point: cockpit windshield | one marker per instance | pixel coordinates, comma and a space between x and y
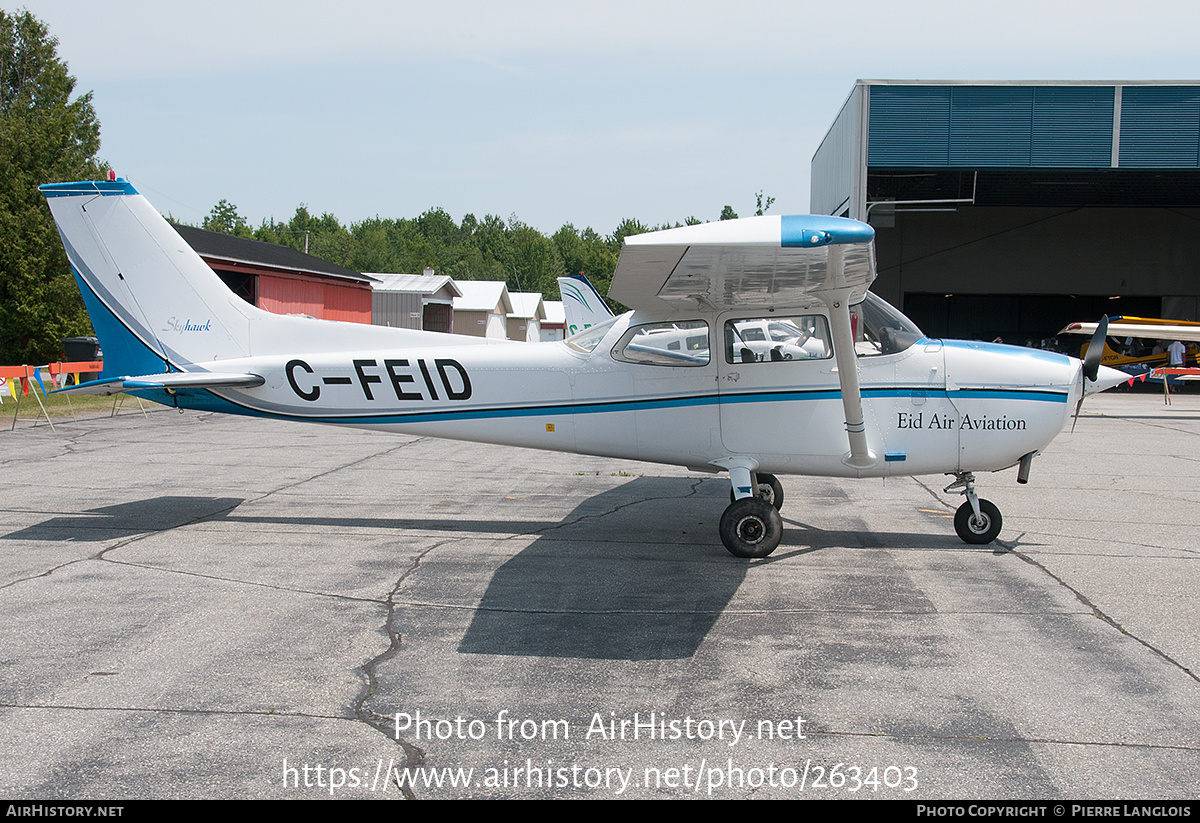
879, 328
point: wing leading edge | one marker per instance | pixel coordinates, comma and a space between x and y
767, 262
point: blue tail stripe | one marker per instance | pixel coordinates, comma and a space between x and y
124, 353
105, 188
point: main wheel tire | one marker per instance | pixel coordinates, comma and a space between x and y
769, 489
751, 527
978, 531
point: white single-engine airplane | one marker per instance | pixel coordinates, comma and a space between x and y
669, 382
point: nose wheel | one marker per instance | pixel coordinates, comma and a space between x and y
976, 521
981, 528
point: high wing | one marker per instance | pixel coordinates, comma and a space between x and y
764, 262
757, 262
1150, 328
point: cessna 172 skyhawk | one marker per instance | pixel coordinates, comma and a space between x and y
876, 398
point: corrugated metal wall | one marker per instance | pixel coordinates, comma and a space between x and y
1072, 126
396, 309
990, 126
328, 301
838, 165
1033, 126
1160, 127
909, 126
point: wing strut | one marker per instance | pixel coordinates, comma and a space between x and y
837, 299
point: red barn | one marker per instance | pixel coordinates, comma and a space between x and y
281, 279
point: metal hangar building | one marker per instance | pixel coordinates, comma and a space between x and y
1007, 209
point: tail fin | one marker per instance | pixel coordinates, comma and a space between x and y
582, 304
155, 305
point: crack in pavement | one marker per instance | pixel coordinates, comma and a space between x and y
1097, 612
414, 755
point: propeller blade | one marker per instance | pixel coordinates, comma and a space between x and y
1091, 364
1095, 350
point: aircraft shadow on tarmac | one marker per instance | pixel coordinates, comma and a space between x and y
124, 519
646, 581
632, 573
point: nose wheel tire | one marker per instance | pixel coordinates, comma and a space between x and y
983, 529
769, 489
751, 527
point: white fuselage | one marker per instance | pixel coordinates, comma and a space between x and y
938, 406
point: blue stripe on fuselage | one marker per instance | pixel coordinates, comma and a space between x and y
209, 401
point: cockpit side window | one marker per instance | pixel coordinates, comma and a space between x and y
777, 339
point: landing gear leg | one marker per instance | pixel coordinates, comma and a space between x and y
766, 486
976, 521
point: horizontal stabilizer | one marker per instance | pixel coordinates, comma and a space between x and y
173, 380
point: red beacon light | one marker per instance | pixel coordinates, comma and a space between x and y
112, 175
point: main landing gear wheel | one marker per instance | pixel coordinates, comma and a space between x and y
769, 489
751, 527
977, 530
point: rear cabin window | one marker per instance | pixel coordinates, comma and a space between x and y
665, 344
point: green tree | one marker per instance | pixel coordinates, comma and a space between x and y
45, 137
728, 213
224, 218
625, 228
761, 208
584, 252
534, 264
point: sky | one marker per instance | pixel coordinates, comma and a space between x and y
552, 112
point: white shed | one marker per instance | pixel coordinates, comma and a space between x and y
555, 324
524, 321
482, 308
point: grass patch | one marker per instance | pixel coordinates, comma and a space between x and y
60, 406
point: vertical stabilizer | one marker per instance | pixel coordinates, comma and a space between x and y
155, 305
